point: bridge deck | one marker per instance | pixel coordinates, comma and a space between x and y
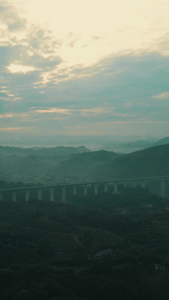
121, 180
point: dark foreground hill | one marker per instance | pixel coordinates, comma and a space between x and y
111, 247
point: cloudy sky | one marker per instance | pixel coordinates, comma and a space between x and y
84, 67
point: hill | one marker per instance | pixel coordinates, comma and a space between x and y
83, 164
153, 161
33, 164
53, 165
41, 151
162, 141
128, 147
103, 165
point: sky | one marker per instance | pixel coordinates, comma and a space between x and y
84, 68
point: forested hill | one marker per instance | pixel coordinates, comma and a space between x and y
163, 141
153, 161
82, 164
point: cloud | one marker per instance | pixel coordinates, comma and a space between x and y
42, 40
9, 16
3, 94
11, 129
6, 56
24, 47
161, 45
20, 68
96, 111
5, 116
163, 96
100, 93
6, 95
54, 110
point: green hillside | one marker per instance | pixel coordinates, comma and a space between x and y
81, 165
104, 165
153, 161
163, 141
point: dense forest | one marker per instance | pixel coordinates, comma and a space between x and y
107, 246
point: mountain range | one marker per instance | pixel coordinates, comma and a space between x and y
72, 164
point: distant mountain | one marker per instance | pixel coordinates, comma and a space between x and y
153, 161
82, 164
128, 147
68, 164
163, 141
139, 144
33, 164
103, 165
42, 151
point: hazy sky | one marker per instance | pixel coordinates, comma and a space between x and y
84, 67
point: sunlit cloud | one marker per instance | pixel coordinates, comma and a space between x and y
10, 17
20, 69
7, 96
54, 110
11, 129
100, 65
7, 93
96, 111
5, 116
163, 96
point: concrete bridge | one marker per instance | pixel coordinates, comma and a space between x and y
132, 182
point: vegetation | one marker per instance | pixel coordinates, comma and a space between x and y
57, 250
149, 162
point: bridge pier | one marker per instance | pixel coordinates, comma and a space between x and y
51, 194
63, 193
14, 196
96, 189
106, 187
74, 190
143, 184
134, 185
125, 185
39, 194
162, 191
115, 188
84, 186
85, 190
27, 195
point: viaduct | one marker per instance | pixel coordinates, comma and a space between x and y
133, 182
